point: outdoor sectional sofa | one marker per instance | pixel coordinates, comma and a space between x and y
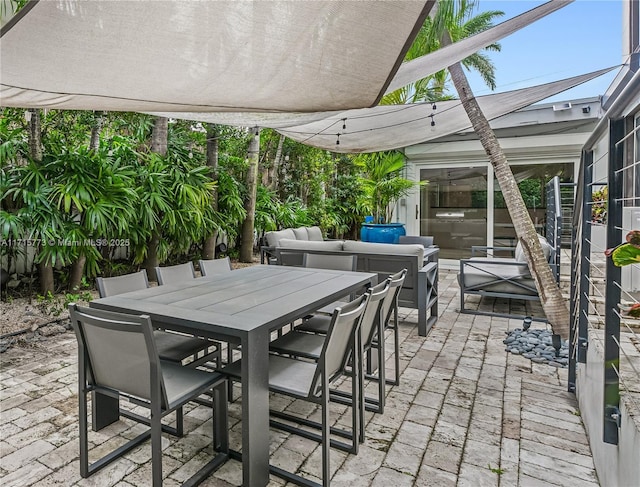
420, 287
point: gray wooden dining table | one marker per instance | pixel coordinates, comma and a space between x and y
243, 306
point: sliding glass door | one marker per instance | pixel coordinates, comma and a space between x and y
453, 209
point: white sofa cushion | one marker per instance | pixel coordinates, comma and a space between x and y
315, 234
301, 233
273, 238
328, 245
383, 248
546, 248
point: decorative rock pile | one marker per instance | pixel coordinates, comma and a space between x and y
537, 345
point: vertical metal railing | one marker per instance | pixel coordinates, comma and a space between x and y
554, 221
612, 291
580, 268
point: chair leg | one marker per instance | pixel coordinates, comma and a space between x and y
357, 426
221, 418
156, 447
326, 439
87, 469
382, 381
357, 404
179, 422
396, 345
229, 383
84, 439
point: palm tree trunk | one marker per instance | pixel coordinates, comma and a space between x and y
151, 261
272, 178
554, 305
246, 249
45, 268
76, 272
96, 129
209, 245
77, 267
159, 138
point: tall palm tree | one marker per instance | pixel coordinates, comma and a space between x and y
248, 226
212, 146
461, 24
554, 305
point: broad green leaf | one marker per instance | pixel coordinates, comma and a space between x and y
626, 254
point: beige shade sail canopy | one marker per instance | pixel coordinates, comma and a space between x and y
409, 72
387, 127
203, 56
311, 69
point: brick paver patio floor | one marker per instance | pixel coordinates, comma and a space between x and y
466, 413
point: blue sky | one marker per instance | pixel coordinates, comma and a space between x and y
581, 37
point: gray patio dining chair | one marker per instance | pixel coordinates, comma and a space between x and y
175, 273
309, 346
211, 267
310, 381
171, 346
339, 262
390, 316
319, 323
346, 262
118, 357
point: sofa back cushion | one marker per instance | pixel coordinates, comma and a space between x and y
273, 238
328, 245
383, 248
314, 233
301, 233
546, 248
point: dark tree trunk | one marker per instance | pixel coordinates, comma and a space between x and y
246, 249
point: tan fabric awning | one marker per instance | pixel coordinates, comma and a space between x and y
202, 56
